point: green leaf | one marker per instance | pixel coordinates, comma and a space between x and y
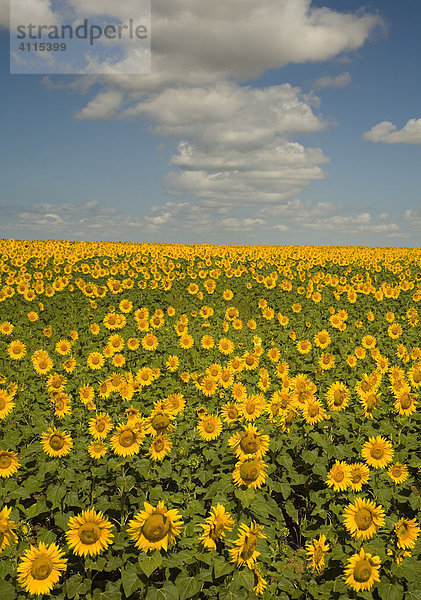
292, 511
7, 591
129, 579
243, 578
76, 585
245, 496
54, 494
149, 564
187, 586
389, 591
221, 567
167, 592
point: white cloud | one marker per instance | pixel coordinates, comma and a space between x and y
23, 12
192, 223
103, 106
413, 218
235, 148
340, 81
234, 140
247, 224
388, 133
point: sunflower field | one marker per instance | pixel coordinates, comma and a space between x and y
209, 422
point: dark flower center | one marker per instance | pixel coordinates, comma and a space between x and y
89, 533
362, 571
249, 471
41, 567
363, 519
127, 438
160, 422
377, 452
249, 546
250, 443
57, 442
156, 527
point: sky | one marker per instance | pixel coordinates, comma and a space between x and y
271, 122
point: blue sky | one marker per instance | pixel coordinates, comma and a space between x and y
298, 123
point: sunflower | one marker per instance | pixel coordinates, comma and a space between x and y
6, 328
100, 426
7, 535
250, 472
149, 342
259, 583
175, 403
6, 404
226, 377
405, 403
186, 341
326, 361
304, 346
238, 391
172, 363
63, 347
89, 533
56, 443
8, 463
97, 449
216, 526
313, 412
230, 412
369, 401
159, 422
40, 568
250, 442
363, 518
86, 393
414, 375
245, 551
362, 571
42, 362
155, 527
209, 427
61, 405
160, 447
360, 474
127, 438
250, 361
252, 406
69, 365
56, 383
377, 452
226, 346
322, 339
95, 361
339, 476
208, 385
144, 376
407, 532
16, 350
398, 472
316, 550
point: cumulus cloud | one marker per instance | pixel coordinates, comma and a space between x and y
40, 12
187, 222
235, 144
340, 81
103, 106
413, 218
235, 147
388, 133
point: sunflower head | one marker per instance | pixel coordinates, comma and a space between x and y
155, 527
